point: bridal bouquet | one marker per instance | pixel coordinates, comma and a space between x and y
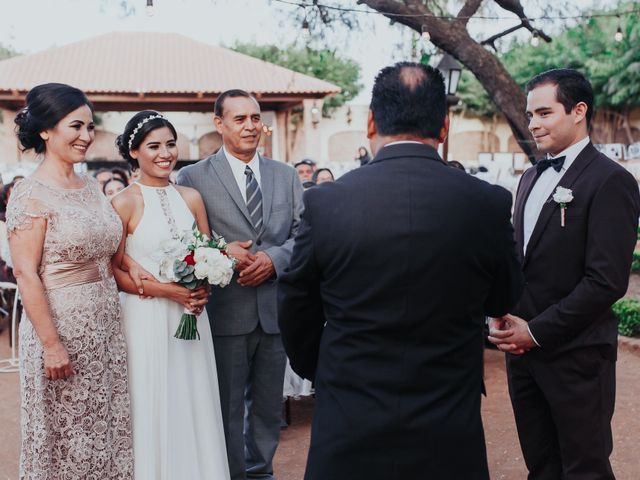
193, 260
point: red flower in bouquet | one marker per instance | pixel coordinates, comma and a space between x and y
189, 260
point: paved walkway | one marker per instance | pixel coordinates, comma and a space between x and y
505, 458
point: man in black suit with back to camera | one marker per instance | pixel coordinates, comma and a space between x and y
402, 259
575, 217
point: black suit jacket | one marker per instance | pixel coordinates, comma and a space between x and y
401, 258
573, 274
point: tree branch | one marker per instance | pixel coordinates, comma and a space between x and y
491, 40
467, 11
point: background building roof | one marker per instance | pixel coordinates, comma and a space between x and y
119, 68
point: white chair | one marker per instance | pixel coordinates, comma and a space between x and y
10, 365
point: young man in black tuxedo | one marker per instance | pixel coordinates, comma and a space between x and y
401, 258
561, 339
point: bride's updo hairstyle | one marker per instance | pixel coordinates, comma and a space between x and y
136, 131
47, 104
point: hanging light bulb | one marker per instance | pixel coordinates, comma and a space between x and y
535, 39
149, 9
306, 31
619, 36
426, 36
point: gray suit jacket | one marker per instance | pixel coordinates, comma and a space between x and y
236, 310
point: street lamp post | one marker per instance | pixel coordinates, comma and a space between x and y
451, 71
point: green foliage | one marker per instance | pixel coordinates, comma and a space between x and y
628, 312
473, 96
323, 64
612, 67
635, 263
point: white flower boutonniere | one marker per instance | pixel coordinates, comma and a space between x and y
562, 196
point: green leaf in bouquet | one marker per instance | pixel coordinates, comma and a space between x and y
191, 285
189, 270
188, 278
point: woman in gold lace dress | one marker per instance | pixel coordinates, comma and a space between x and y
62, 234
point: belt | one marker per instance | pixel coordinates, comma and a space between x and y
69, 274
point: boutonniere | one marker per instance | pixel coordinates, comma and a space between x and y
562, 196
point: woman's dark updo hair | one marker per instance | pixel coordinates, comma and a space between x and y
122, 142
47, 104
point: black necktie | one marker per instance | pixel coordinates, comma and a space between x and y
556, 163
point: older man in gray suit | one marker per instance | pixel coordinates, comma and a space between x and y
255, 203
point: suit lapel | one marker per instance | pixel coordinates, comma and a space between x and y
266, 180
223, 170
575, 170
526, 185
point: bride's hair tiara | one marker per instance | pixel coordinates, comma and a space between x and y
139, 126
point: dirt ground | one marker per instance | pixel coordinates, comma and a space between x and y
505, 458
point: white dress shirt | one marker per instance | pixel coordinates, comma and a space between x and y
545, 186
238, 167
541, 191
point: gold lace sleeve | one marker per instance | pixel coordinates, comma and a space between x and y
25, 204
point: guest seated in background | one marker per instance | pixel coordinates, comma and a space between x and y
121, 174
135, 175
305, 169
113, 186
103, 176
322, 175
6, 267
363, 156
6, 275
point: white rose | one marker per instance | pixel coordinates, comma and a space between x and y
201, 254
563, 195
201, 270
166, 269
221, 270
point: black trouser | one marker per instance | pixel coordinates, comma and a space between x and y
563, 409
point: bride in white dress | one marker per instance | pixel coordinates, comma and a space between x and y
175, 402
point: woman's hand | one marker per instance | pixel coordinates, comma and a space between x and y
193, 300
137, 274
57, 365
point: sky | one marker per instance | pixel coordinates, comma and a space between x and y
30, 26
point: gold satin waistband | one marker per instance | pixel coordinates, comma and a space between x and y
69, 274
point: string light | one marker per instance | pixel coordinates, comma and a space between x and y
426, 36
634, 10
535, 39
149, 9
618, 37
306, 31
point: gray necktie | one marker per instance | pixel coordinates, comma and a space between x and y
254, 199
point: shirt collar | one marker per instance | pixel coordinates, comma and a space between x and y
234, 161
401, 141
571, 152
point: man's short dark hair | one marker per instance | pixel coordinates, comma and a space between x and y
572, 88
409, 98
233, 93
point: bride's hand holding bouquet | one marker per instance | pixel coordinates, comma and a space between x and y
195, 262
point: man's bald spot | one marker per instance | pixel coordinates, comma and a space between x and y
412, 77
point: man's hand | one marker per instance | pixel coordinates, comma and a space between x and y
259, 271
244, 257
510, 334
